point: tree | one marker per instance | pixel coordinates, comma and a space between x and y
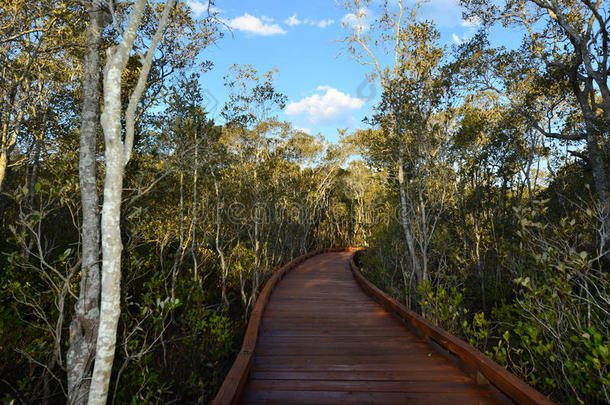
117, 155
411, 129
571, 39
250, 113
84, 326
32, 35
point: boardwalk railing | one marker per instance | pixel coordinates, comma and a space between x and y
238, 376
481, 367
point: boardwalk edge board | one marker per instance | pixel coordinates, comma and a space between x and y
237, 378
485, 368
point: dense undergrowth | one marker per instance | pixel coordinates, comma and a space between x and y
539, 307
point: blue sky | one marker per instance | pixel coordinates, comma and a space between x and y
325, 90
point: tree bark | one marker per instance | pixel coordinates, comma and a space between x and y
598, 167
117, 155
3, 167
223, 262
195, 210
596, 159
110, 307
404, 220
180, 249
84, 325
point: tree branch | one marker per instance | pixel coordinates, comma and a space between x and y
142, 79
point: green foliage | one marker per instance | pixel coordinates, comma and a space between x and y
560, 331
442, 307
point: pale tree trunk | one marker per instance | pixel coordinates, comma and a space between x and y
404, 220
3, 167
117, 155
257, 254
7, 143
477, 254
84, 326
223, 262
424, 237
11, 122
257, 243
180, 250
195, 212
594, 136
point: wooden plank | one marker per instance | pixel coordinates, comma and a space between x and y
433, 387
337, 321
331, 331
361, 363
428, 376
274, 341
516, 389
357, 398
310, 332
343, 350
409, 363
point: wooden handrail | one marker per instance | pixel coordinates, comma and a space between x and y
237, 378
509, 384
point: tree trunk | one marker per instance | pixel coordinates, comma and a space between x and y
117, 155
84, 326
223, 262
600, 179
257, 257
596, 159
404, 220
3, 168
180, 249
111, 233
112, 246
195, 212
8, 138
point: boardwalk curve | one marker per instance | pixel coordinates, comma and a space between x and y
320, 338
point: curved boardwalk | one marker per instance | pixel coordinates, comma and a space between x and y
324, 341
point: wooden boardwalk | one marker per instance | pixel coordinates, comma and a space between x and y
324, 341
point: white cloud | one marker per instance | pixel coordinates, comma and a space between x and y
304, 129
254, 25
456, 39
357, 22
267, 19
325, 23
293, 20
325, 108
200, 8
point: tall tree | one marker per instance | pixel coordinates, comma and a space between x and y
31, 38
251, 113
413, 89
117, 155
571, 38
84, 326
